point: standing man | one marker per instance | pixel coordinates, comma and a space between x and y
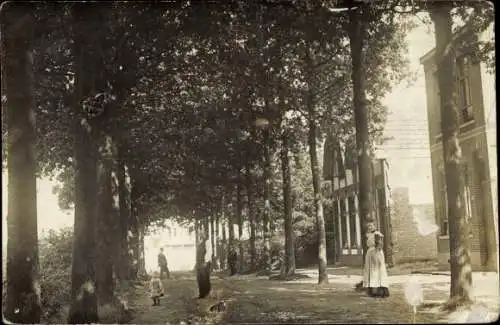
162, 264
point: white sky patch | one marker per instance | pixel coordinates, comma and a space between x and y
50, 216
408, 153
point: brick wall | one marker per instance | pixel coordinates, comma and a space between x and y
408, 244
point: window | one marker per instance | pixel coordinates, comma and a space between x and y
443, 215
352, 221
343, 218
437, 112
444, 198
468, 195
463, 88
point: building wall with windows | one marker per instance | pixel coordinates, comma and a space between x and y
479, 167
402, 223
342, 221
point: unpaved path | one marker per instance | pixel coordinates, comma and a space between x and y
252, 299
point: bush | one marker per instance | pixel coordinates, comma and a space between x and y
55, 272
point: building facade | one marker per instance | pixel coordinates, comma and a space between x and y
342, 223
413, 229
476, 101
409, 229
178, 243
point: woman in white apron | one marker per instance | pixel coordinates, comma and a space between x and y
375, 272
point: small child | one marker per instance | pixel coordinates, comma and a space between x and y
156, 288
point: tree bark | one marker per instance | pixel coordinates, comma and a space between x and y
267, 202
213, 240
23, 288
83, 308
239, 208
318, 199
230, 245
316, 175
217, 242
287, 202
224, 246
107, 226
461, 270
122, 266
251, 217
133, 231
357, 36
142, 256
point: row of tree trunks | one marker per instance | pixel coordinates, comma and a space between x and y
23, 289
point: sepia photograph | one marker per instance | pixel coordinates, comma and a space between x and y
249, 162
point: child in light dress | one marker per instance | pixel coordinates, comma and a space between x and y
156, 288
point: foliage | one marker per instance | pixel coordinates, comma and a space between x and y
55, 271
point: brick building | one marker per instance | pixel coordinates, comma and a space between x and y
413, 233
476, 100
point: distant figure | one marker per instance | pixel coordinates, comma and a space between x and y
203, 279
375, 272
162, 264
156, 288
233, 261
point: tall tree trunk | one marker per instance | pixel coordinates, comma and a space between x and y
461, 271
316, 176
142, 254
83, 308
23, 288
356, 38
230, 246
224, 246
217, 242
106, 229
267, 201
122, 266
239, 211
287, 202
318, 201
206, 233
201, 239
213, 240
251, 217
133, 230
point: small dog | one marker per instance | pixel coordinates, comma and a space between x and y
156, 288
218, 307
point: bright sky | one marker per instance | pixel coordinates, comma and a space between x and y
408, 167
49, 214
408, 154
